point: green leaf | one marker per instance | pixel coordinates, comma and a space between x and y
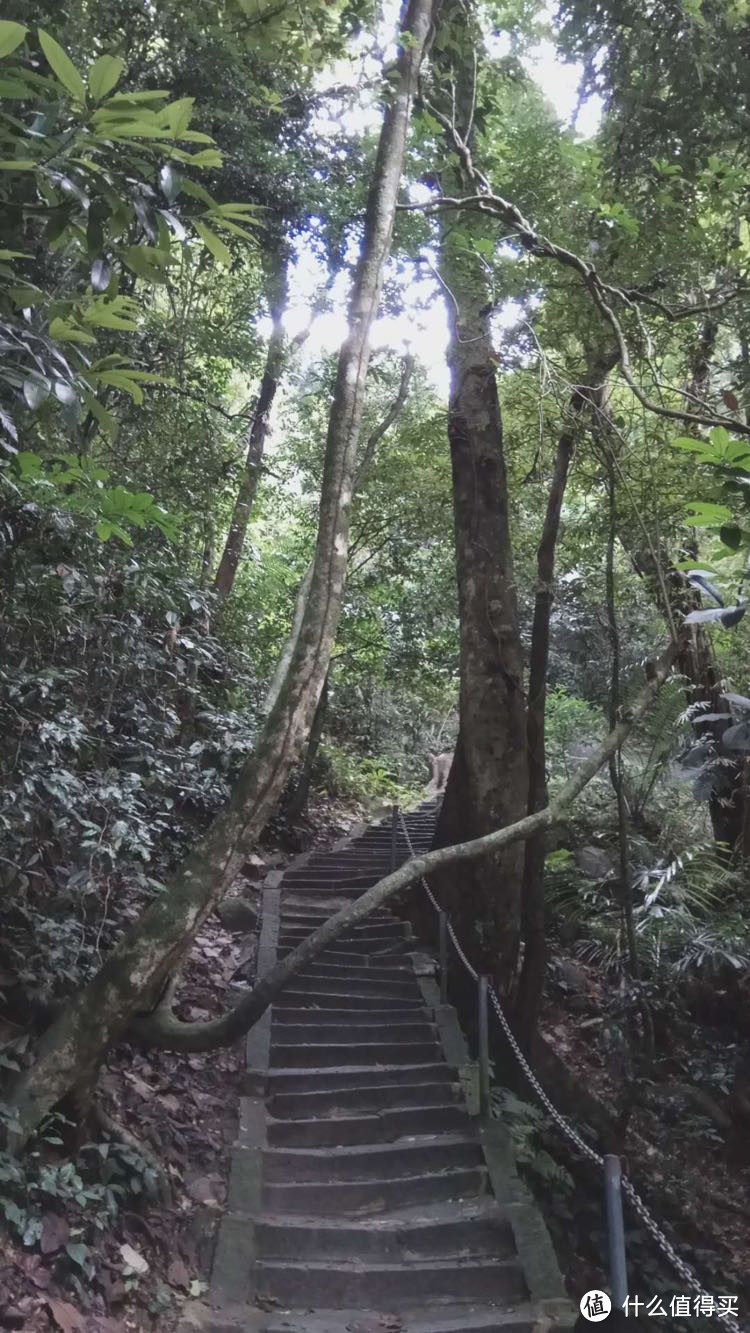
147, 262
692, 446
178, 115
708, 515
114, 314
208, 157
17, 164
11, 36
66, 332
214, 243
104, 530
104, 74
62, 66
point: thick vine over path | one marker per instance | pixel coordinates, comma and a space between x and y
365, 1194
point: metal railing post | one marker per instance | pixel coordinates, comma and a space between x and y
443, 919
394, 835
618, 1272
484, 1048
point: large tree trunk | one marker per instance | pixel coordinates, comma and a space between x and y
138, 967
487, 786
531, 981
248, 486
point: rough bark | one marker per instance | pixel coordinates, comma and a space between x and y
298, 799
531, 980
248, 486
487, 785
161, 1028
138, 967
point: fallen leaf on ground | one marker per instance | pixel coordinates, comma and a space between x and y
134, 1262
55, 1233
178, 1275
66, 1316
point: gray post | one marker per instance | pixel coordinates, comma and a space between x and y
443, 958
484, 1049
394, 835
618, 1272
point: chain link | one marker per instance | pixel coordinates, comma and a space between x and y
652, 1226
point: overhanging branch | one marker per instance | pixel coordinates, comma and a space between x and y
161, 1028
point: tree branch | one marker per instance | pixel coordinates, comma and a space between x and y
162, 1029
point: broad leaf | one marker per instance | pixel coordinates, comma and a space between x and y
11, 36
214, 243
62, 66
104, 75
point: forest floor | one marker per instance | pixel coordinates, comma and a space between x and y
677, 1144
133, 1271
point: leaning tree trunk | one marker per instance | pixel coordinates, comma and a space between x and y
248, 486
487, 785
138, 967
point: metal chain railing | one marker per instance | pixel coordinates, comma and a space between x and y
652, 1226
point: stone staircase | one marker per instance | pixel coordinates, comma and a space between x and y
365, 1197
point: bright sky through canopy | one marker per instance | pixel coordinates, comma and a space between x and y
422, 325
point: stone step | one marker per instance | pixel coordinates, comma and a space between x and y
365, 930
367, 957
353, 1018
322, 982
370, 1197
364, 1101
389, 969
380, 1127
393, 1286
465, 1318
322, 1055
334, 997
361, 946
447, 1152
354, 1078
460, 1230
320, 1031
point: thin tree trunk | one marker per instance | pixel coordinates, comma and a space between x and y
248, 486
531, 981
161, 1028
363, 467
138, 967
298, 799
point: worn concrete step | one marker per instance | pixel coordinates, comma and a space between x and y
475, 1229
363, 1129
464, 1318
367, 957
324, 1055
389, 969
323, 982
322, 1031
362, 1076
323, 879
353, 1018
358, 948
361, 1101
446, 1152
370, 1197
334, 997
366, 930
393, 1286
